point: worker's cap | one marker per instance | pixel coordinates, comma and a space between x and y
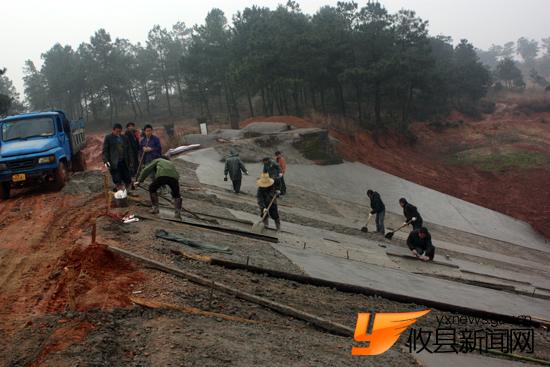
265, 180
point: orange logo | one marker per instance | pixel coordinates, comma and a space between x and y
381, 330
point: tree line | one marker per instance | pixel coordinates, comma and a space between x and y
380, 68
514, 64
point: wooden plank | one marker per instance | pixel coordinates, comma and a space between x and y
350, 288
408, 255
495, 277
261, 237
327, 325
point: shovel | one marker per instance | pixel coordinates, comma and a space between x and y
259, 226
389, 235
137, 172
365, 228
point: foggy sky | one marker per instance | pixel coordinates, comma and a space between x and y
29, 28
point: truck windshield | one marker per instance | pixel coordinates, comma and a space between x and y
22, 129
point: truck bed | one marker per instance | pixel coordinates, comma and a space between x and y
78, 136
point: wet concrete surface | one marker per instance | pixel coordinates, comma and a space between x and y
349, 181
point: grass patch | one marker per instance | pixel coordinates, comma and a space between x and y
500, 161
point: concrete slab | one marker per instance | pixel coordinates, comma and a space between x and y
374, 252
266, 128
401, 282
481, 253
348, 181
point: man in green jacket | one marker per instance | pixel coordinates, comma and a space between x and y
165, 174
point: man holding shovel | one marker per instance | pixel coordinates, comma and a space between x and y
165, 173
411, 214
378, 208
267, 199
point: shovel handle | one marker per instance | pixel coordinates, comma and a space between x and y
269, 206
403, 226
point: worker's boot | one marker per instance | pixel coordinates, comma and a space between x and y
177, 208
278, 224
154, 203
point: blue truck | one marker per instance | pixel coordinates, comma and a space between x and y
39, 148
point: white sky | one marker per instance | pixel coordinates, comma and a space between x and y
30, 27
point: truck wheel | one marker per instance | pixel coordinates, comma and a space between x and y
78, 163
5, 190
60, 176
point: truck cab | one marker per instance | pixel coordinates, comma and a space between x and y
39, 148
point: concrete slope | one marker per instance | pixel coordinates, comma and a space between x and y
401, 282
349, 181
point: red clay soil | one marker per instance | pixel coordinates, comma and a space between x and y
521, 193
63, 337
93, 151
44, 270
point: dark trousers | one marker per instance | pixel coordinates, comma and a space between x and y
237, 185
417, 224
282, 185
380, 221
273, 212
169, 181
121, 174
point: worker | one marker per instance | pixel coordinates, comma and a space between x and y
133, 144
116, 157
411, 214
282, 164
377, 207
165, 173
420, 243
273, 170
235, 167
265, 194
149, 146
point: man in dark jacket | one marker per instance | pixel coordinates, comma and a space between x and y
266, 192
411, 214
116, 157
149, 146
165, 173
378, 208
133, 144
420, 243
235, 167
273, 169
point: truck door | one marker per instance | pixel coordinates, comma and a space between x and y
64, 138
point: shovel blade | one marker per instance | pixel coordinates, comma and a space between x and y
389, 235
258, 227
